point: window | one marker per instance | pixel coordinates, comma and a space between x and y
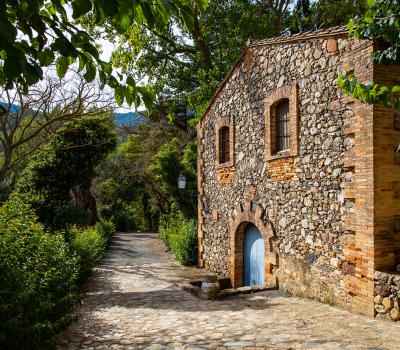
224, 145
282, 132
281, 123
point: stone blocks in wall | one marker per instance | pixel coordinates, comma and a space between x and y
387, 296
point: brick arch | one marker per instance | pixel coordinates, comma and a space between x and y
248, 214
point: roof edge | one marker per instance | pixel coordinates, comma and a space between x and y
339, 31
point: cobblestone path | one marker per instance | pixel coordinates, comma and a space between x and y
133, 302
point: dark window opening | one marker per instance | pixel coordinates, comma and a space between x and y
224, 145
282, 131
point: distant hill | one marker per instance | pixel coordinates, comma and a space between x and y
130, 119
14, 108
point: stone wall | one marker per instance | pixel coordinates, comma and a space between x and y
387, 296
308, 195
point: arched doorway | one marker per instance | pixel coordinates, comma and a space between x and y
253, 257
247, 218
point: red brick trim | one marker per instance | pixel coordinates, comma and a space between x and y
289, 92
221, 122
245, 215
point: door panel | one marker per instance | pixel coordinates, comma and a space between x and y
253, 257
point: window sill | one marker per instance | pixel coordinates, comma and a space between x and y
280, 154
225, 165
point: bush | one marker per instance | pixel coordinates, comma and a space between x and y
37, 280
106, 228
89, 244
180, 235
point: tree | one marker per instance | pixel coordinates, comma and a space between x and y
36, 33
28, 122
278, 8
177, 67
58, 180
381, 23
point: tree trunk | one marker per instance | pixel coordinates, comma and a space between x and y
84, 199
277, 24
200, 41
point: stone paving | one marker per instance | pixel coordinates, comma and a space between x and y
133, 302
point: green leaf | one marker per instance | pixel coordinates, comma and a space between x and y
371, 3
368, 20
90, 72
119, 95
12, 69
397, 103
32, 74
395, 89
82, 61
125, 22
46, 57
147, 97
130, 81
350, 26
80, 8
62, 64
202, 4
129, 94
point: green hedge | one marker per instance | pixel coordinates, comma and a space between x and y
39, 272
37, 280
180, 235
89, 244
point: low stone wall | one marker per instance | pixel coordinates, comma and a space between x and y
387, 295
312, 280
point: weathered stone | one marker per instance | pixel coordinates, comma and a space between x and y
307, 202
378, 300
396, 280
317, 54
331, 45
395, 314
383, 289
304, 223
310, 257
387, 303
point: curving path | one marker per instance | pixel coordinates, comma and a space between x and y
133, 302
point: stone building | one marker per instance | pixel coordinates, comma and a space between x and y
286, 158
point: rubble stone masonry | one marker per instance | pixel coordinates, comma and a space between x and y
328, 207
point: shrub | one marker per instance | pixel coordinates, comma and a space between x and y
88, 245
106, 228
180, 235
37, 280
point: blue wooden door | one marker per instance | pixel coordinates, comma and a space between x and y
253, 257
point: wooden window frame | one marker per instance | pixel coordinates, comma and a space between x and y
222, 123
290, 93
224, 145
282, 127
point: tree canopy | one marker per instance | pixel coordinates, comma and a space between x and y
36, 33
380, 23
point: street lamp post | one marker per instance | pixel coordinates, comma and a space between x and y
181, 182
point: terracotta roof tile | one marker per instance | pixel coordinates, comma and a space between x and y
311, 34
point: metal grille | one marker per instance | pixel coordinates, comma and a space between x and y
224, 154
282, 131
